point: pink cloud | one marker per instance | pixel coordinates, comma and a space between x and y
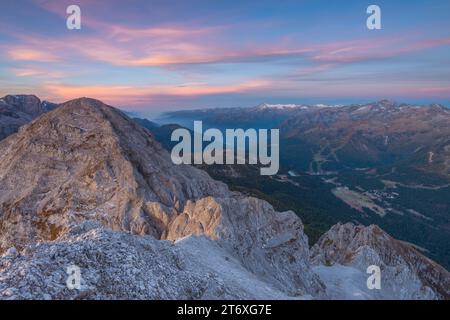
155, 51
37, 72
162, 47
24, 53
172, 46
125, 94
439, 90
185, 43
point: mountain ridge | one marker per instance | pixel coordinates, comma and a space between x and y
18, 110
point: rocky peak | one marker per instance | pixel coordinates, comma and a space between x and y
17, 110
386, 103
359, 247
29, 104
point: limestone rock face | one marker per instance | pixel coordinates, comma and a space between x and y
405, 272
117, 265
88, 161
268, 243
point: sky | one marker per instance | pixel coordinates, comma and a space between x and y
154, 56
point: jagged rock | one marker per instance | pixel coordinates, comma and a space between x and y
268, 243
117, 265
405, 272
88, 160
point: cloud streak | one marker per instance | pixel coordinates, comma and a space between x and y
27, 53
125, 94
169, 53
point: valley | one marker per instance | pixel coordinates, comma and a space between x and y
359, 163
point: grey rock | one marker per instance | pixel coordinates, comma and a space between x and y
88, 161
405, 272
18, 110
117, 265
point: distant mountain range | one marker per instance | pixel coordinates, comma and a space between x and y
383, 162
353, 136
85, 184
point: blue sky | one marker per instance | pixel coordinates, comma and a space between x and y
152, 56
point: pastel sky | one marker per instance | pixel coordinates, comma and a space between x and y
152, 56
